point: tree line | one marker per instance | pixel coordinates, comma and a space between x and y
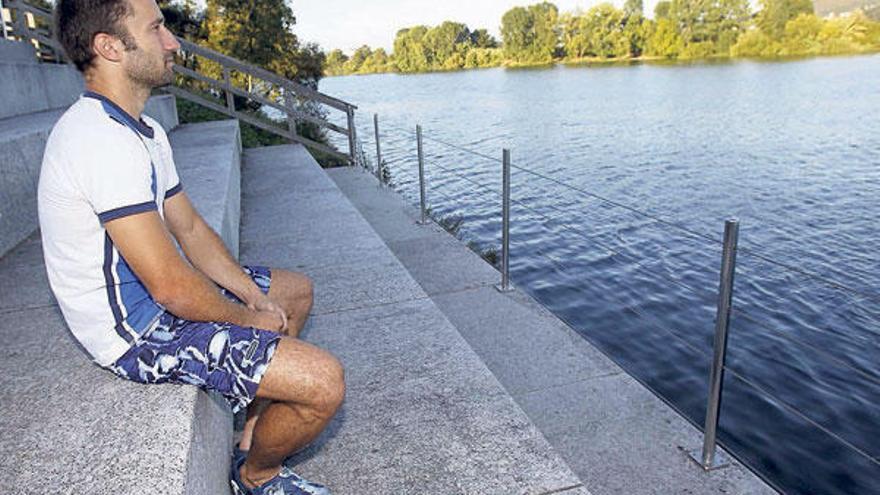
680, 29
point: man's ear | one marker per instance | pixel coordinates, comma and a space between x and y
108, 47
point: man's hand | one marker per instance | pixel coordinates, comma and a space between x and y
267, 320
262, 303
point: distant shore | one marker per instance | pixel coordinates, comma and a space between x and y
587, 62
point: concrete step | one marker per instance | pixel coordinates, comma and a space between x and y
423, 414
37, 87
14, 51
615, 434
22, 141
69, 427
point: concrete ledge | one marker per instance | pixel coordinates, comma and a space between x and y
208, 157
22, 141
25, 92
63, 84
15, 51
163, 108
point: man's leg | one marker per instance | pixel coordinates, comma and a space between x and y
305, 386
294, 293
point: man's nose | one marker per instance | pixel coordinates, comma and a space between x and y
171, 43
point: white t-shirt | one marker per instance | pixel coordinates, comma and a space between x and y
101, 164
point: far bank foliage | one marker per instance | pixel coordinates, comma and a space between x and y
681, 29
449, 46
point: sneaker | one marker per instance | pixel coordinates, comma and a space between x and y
238, 486
286, 483
289, 482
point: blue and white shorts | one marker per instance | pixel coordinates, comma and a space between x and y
218, 356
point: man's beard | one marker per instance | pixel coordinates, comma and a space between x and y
142, 72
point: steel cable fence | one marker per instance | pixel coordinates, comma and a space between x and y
399, 134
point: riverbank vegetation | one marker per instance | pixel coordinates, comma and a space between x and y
680, 29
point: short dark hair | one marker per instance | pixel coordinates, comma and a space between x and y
78, 21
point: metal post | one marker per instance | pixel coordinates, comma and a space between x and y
505, 222
3, 21
424, 219
288, 105
19, 24
379, 173
352, 136
230, 100
709, 459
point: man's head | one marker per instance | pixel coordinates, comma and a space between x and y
120, 38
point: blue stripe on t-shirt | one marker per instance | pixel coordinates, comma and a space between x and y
140, 307
125, 211
118, 114
110, 285
153, 186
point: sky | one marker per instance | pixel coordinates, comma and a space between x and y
348, 24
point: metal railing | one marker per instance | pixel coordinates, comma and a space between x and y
707, 457
209, 79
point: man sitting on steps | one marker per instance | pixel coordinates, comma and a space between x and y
110, 202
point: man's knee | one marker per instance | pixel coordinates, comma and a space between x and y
308, 290
296, 289
304, 374
332, 389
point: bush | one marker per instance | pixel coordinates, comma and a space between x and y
755, 43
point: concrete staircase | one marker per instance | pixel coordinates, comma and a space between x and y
423, 414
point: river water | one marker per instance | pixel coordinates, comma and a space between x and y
618, 230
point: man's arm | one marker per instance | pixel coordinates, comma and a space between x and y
146, 245
206, 251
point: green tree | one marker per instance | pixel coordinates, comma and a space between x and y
661, 10
849, 34
636, 33
802, 35
606, 36
756, 43
530, 33
184, 18
377, 62
481, 38
709, 27
575, 34
664, 41
483, 57
409, 52
357, 59
775, 14
633, 7
335, 63
445, 41
259, 32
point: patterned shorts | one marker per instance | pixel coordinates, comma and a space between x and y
218, 356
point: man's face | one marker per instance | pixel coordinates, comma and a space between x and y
149, 59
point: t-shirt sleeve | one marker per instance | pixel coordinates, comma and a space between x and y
118, 180
169, 170
174, 185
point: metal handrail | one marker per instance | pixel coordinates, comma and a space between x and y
287, 88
